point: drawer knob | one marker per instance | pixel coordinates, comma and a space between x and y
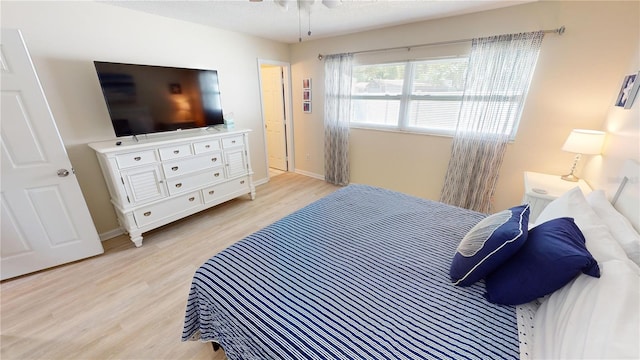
175, 168
214, 159
137, 158
179, 185
147, 213
211, 192
242, 182
207, 146
176, 151
233, 141
216, 174
192, 198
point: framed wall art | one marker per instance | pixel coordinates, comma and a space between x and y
306, 95
628, 91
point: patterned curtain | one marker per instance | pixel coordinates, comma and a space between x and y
498, 78
337, 110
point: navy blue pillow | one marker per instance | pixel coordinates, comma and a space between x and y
488, 244
554, 254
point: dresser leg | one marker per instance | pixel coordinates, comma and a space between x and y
136, 238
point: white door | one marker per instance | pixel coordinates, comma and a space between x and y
45, 220
274, 116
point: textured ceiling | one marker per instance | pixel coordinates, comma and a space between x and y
270, 20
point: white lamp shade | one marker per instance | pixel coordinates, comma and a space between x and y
588, 142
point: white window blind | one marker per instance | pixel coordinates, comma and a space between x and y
436, 94
376, 94
414, 95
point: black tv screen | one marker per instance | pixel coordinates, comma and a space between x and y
145, 99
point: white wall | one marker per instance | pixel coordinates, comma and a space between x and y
622, 141
64, 38
576, 78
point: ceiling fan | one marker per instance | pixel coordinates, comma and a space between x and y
303, 5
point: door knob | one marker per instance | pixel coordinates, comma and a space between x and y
63, 172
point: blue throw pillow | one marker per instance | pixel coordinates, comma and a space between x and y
554, 254
488, 244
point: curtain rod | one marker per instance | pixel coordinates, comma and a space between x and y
558, 31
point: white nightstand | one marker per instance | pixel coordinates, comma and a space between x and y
541, 189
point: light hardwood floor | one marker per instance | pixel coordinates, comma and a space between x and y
129, 302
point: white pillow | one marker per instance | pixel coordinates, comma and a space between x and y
570, 204
619, 226
591, 317
601, 243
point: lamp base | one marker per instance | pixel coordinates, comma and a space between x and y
570, 177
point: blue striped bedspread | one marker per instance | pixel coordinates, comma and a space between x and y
359, 274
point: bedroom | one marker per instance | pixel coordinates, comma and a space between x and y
577, 78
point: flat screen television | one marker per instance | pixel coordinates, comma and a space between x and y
144, 99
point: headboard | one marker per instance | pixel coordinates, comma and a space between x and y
627, 198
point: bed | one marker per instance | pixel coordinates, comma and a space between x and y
360, 274
364, 274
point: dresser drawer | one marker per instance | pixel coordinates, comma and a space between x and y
215, 192
206, 146
157, 212
196, 181
175, 152
190, 165
136, 159
232, 141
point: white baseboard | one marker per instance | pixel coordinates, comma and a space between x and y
260, 182
310, 174
111, 234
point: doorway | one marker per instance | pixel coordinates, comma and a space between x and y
276, 115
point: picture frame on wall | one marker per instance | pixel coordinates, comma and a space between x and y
306, 95
628, 91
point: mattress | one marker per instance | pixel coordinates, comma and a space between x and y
359, 274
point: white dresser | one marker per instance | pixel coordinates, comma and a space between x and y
160, 178
541, 189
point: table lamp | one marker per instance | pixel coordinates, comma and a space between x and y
587, 142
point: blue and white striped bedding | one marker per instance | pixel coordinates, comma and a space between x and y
359, 274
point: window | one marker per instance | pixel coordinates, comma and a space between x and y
421, 96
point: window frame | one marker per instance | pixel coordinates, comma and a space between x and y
405, 98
